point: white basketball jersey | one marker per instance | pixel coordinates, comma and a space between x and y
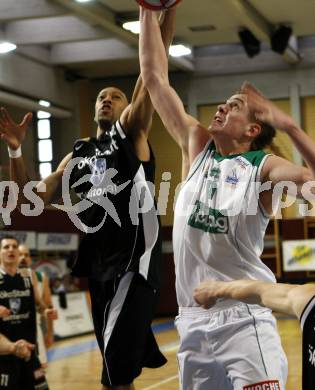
219, 224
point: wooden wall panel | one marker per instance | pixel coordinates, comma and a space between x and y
168, 159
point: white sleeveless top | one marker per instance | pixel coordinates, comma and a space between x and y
219, 224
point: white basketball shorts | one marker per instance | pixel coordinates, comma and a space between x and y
234, 348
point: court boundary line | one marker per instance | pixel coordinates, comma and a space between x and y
169, 379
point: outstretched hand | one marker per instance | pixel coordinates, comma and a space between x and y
265, 110
13, 133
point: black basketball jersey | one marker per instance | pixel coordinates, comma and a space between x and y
121, 220
308, 329
16, 293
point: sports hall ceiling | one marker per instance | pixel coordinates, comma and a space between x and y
86, 38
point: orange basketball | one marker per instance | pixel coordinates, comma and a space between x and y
157, 5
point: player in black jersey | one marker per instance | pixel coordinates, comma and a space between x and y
20, 348
112, 174
19, 365
297, 300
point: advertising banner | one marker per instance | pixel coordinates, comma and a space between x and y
57, 241
74, 316
298, 255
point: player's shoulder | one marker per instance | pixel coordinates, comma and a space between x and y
272, 161
80, 144
25, 272
199, 138
82, 140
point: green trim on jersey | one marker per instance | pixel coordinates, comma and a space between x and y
254, 157
39, 276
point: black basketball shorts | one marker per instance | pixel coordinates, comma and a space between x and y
16, 374
122, 311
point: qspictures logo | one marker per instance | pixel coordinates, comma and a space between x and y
208, 219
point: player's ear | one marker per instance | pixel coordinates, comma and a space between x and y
253, 130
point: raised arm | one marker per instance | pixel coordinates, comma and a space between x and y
139, 113
277, 169
13, 134
137, 118
286, 298
186, 131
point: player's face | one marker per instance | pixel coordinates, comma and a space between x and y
232, 117
109, 105
25, 257
9, 252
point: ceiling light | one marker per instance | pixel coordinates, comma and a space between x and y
82, 1
43, 115
44, 103
133, 26
179, 50
6, 47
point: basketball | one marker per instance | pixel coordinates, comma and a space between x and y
157, 5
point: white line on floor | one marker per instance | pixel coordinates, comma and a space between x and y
170, 347
171, 378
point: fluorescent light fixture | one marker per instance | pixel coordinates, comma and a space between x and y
43, 129
82, 1
134, 26
6, 47
44, 103
179, 50
45, 169
43, 115
45, 153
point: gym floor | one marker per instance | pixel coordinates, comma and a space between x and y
76, 363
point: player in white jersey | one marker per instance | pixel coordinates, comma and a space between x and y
220, 220
292, 299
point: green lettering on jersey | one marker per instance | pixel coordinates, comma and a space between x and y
215, 173
211, 188
209, 220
